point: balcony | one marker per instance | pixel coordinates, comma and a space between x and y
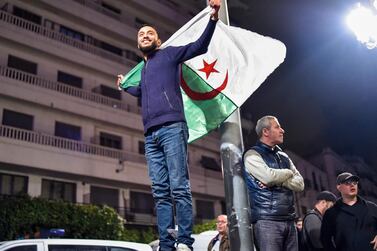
34, 80
8, 18
68, 144
99, 8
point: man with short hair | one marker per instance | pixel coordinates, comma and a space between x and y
312, 222
271, 179
165, 128
220, 242
351, 224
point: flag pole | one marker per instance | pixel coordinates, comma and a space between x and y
231, 148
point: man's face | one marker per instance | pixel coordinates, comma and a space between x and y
348, 189
275, 134
221, 224
329, 204
299, 225
147, 39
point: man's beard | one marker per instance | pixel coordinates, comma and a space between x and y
148, 49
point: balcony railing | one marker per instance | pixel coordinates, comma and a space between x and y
60, 37
99, 8
68, 144
66, 89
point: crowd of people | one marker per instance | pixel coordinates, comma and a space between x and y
347, 223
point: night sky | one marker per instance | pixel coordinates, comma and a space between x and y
325, 93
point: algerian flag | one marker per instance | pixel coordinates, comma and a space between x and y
215, 84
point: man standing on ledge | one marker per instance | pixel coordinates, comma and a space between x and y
165, 129
271, 179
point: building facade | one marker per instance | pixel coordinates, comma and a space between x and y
66, 132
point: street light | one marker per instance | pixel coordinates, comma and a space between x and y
363, 22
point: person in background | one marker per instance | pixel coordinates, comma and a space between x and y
271, 179
351, 224
220, 242
313, 220
298, 224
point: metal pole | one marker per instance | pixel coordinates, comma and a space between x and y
237, 206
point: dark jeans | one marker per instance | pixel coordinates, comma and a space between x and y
275, 235
166, 153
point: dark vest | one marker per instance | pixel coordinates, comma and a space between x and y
272, 203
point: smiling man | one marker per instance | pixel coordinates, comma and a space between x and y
351, 224
271, 179
165, 129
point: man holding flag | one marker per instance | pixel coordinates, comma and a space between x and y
165, 128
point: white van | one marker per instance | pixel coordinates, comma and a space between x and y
71, 245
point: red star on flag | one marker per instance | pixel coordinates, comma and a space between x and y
208, 68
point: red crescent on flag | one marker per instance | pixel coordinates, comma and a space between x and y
194, 95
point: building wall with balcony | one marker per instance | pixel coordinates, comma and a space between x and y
60, 72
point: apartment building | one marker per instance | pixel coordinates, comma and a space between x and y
66, 132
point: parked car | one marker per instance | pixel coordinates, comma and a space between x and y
71, 245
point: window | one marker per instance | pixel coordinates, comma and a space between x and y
315, 182
108, 92
210, 163
205, 209
58, 190
304, 209
321, 184
139, 22
17, 119
104, 196
49, 24
75, 248
110, 140
23, 248
121, 249
141, 147
67, 131
142, 203
132, 55
111, 48
13, 184
71, 33
26, 15
86, 248
22, 64
110, 8
223, 207
308, 183
69, 79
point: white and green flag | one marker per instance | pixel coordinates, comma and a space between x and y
215, 84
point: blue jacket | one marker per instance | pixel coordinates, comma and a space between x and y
159, 89
271, 203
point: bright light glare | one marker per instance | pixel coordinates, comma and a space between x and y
363, 23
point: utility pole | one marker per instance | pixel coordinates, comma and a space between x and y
237, 206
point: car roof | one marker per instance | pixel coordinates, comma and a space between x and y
134, 245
